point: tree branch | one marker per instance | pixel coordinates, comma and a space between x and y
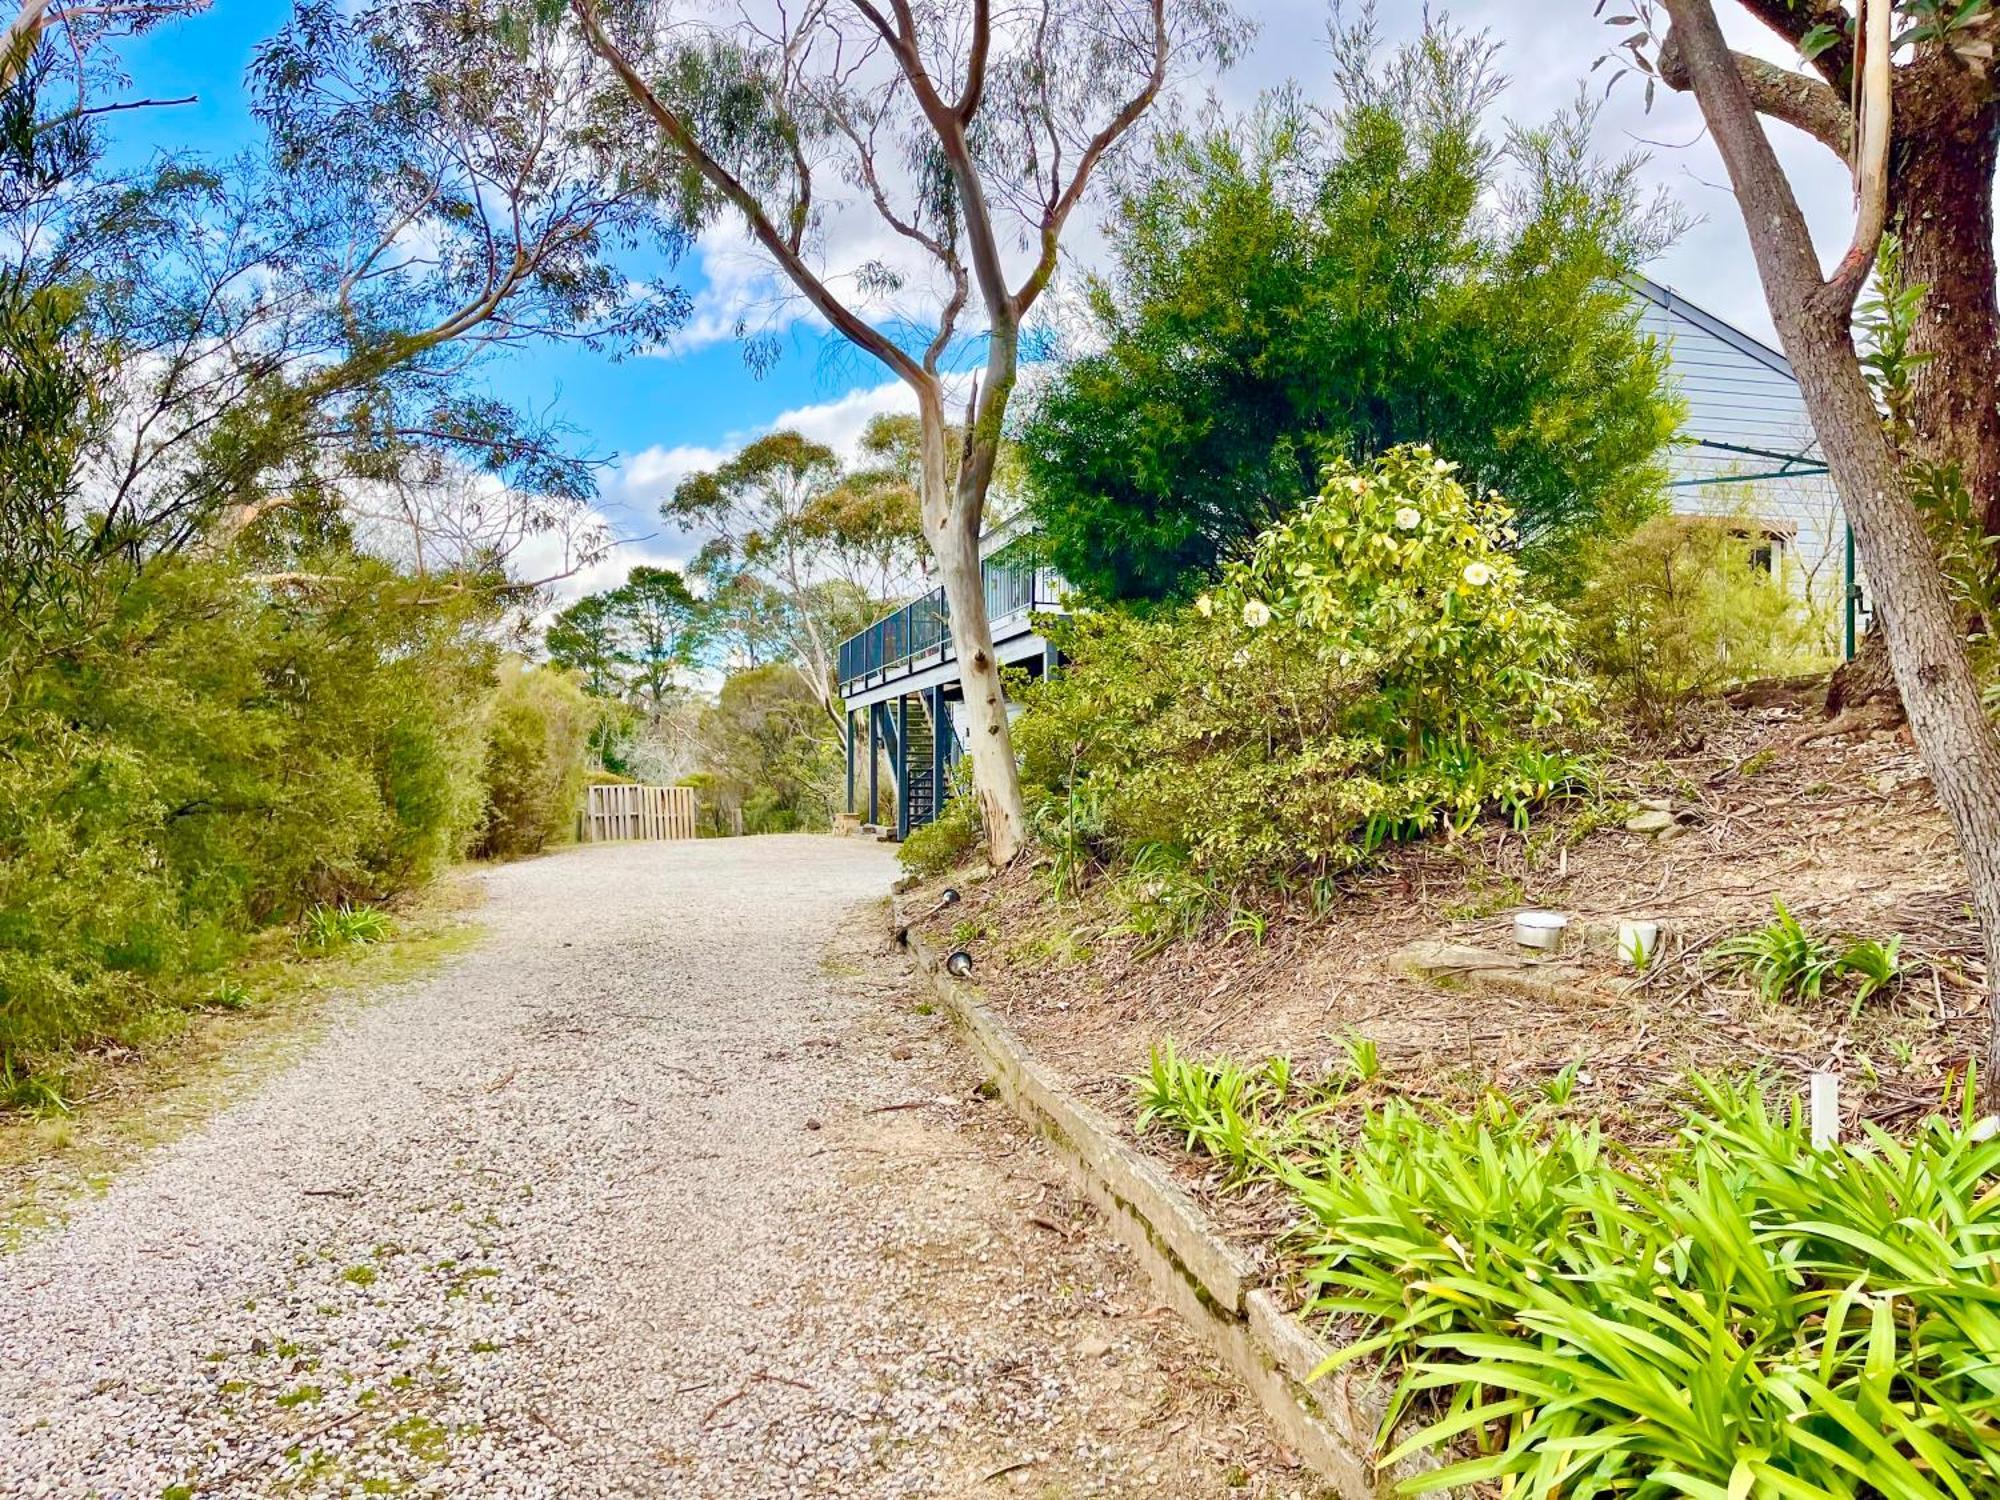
1059, 211
1805, 103
975, 66
724, 181
1871, 161
1793, 20
1779, 237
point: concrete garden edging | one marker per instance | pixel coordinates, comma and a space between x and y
1330, 1423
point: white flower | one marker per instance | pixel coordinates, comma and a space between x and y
1256, 614
1204, 606
1408, 518
1477, 574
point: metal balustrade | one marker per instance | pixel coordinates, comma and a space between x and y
920, 632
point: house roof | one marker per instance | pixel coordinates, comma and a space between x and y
1673, 302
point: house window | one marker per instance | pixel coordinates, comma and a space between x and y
1767, 541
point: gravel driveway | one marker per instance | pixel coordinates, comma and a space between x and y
670, 1187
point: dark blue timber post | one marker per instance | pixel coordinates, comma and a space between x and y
937, 750
848, 714
874, 761
902, 765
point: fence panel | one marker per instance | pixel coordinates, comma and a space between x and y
627, 811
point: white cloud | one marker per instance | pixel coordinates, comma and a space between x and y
739, 289
541, 558
649, 477
630, 499
840, 422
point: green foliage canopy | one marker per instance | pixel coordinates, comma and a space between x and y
220, 751
632, 642
1298, 286
538, 732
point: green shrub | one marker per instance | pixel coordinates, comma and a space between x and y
1679, 610
944, 843
207, 754
1374, 670
1740, 1314
538, 733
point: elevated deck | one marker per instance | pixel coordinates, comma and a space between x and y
911, 651
900, 675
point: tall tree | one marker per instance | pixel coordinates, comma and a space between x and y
635, 641
974, 132
1813, 309
1943, 149
663, 631
280, 332
831, 547
1298, 284
584, 638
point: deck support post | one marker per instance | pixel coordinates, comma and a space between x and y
874, 763
848, 715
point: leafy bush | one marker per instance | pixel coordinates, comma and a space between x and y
208, 754
944, 843
769, 748
537, 749
1679, 609
1385, 272
1373, 670
1740, 1314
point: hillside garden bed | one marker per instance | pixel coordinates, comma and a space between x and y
1568, 1202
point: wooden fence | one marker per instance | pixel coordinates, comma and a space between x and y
638, 812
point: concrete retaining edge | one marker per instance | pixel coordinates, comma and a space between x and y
1330, 1423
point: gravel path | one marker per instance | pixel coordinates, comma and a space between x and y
671, 1187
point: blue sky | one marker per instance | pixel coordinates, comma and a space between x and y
660, 415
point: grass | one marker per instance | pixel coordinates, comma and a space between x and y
117, 1108
327, 928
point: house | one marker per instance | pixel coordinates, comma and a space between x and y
1746, 448
1746, 451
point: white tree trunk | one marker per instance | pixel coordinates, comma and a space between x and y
952, 527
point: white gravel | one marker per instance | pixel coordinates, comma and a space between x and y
601, 1209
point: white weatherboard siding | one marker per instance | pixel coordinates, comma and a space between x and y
1741, 393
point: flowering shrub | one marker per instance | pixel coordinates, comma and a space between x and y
1373, 670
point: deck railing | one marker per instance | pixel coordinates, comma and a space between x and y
1015, 587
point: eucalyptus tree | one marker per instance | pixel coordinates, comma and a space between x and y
964, 134
829, 546
274, 334
1906, 62
1941, 155
83, 30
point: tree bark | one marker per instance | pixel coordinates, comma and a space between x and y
1942, 208
1943, 160
1920, 625
953, 528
